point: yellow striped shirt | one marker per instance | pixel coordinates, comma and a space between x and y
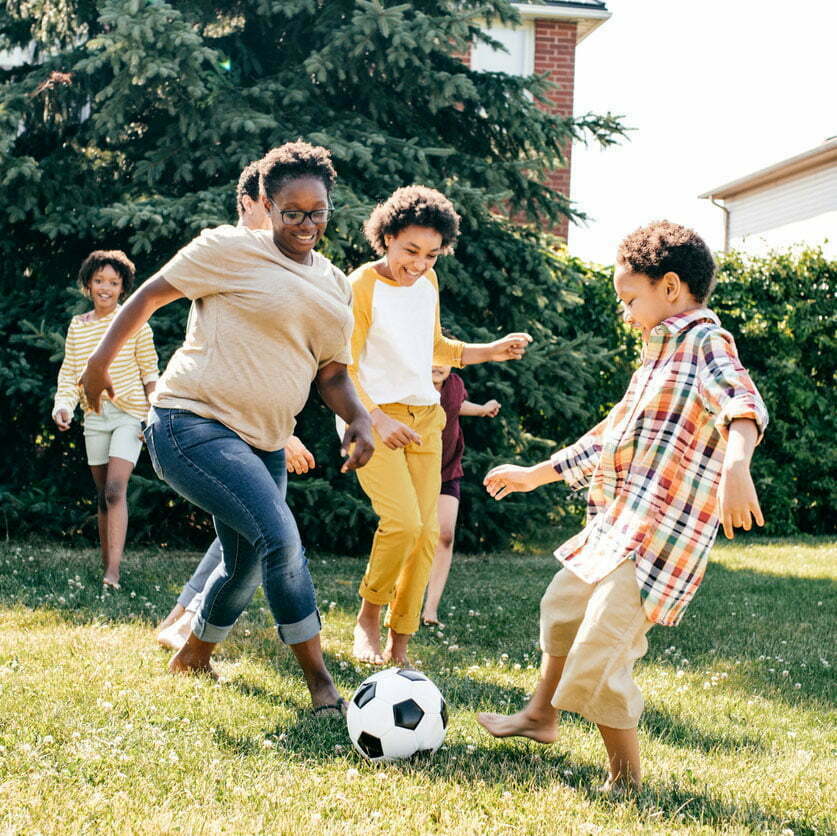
134, 366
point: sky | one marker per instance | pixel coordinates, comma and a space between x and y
714, 90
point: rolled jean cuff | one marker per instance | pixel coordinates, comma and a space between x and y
186, 597
209, 632
300, 631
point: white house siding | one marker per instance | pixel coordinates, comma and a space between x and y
520, 58
784, 203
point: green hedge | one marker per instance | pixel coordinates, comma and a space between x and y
780, 309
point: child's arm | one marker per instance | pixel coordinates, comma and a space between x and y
66, 396
504, 479
574, 465
146, 357
489, 409
737, 498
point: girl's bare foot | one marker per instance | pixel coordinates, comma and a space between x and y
367, 644
526, 723
431, 619
193, 658
396, 649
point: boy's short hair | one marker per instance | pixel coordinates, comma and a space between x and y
292, 160
663, 247
102, 258
248, 184
412, 206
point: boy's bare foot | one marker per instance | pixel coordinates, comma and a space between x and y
174, 636
396, 649
526, 723
367, 644
193, 658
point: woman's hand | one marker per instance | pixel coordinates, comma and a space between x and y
298, 458
393, 433
94, 381
62, 419
357, 443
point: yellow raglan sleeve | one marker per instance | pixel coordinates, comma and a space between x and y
362, 289
67, 394
446, 352
146, 355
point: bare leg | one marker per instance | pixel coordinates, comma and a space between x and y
193, 657
537, 720
448, 510
174, 615
396, 649
367, 638
309, 654
116, 496
100, 475
623, 758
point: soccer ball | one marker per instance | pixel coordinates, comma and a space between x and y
396, 713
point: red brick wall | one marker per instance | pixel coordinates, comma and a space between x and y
555, 54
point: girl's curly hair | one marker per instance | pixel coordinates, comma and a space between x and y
412, 206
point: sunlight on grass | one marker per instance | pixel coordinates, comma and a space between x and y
738, 734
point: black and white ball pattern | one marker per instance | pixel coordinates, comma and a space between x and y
396, 713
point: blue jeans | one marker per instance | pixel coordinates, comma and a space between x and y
244, 490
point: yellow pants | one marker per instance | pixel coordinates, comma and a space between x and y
403, 486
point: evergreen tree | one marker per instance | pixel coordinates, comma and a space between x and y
125, 123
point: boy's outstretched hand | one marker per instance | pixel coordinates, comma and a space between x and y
509, 478
738, 503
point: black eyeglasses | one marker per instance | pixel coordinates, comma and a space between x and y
296, 217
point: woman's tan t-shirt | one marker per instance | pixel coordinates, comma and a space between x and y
261, 327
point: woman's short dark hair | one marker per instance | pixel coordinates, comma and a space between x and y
412, 206
102, 258
663, 247
293, 160
248, 184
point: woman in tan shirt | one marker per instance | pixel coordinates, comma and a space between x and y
271, 316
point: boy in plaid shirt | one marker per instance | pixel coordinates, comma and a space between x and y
663, 469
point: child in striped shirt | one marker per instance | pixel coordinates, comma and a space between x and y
669, 462
113, 436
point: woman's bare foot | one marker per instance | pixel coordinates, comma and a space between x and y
175, 635
176, 612
193, 658
536, 726
396, 649
367, 644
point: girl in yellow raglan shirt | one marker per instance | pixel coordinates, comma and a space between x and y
113, 436
396, 340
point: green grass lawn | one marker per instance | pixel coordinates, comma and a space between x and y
95, 737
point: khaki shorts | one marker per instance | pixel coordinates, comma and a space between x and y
112, 434
601, 629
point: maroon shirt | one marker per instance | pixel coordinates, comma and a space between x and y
451, 396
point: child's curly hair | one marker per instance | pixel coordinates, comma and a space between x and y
412, 206
248, 184
102, 258
663, 246
292, 160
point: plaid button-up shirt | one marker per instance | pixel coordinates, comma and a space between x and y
652, 466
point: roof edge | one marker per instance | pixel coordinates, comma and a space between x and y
812, 159
587, 18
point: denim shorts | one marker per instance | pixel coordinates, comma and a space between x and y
244, 489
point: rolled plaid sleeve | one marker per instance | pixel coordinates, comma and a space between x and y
724, 385
575, 464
